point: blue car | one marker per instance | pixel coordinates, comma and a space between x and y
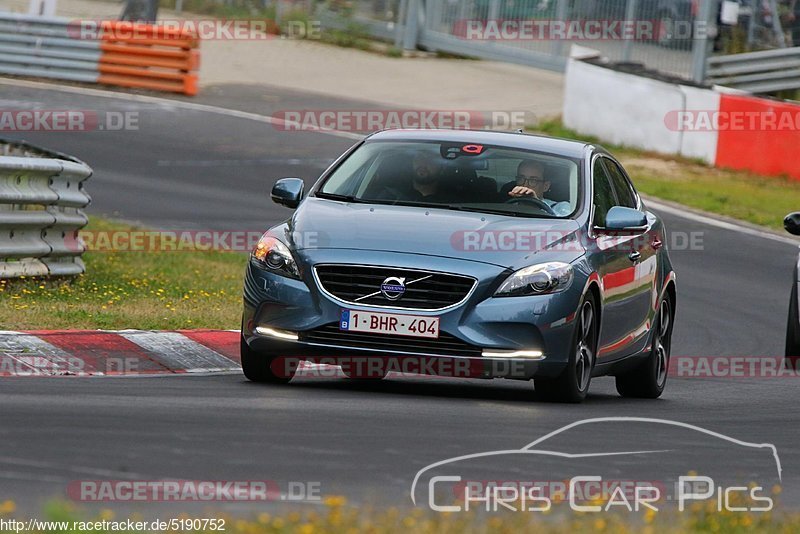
463, 253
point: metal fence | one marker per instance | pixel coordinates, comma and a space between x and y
674, 37
41, 199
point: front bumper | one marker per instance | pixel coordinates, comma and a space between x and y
542, 323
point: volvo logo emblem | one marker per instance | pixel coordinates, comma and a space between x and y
393, 287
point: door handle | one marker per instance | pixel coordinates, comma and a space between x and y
634, 256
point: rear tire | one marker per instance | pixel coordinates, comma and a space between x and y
257, 367
573, 382
647, 381
792, 352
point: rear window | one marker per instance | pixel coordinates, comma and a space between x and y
458, 176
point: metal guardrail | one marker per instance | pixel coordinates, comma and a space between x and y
41, 201
757, 72
42, 47
107, 52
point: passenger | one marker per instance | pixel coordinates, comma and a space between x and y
427, 178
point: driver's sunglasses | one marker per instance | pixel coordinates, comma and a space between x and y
530, 180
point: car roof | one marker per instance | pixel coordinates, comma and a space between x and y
551, 145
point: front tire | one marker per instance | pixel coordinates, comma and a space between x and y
647, 381
573, 383
258, 367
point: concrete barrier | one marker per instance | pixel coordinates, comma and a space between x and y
626, 109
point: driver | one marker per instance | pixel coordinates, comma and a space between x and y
530, 182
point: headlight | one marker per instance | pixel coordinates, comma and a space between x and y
537, 280
275, 256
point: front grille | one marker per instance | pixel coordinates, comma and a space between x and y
424, 290
445, 344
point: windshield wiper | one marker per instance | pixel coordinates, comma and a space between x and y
502, 212
334, 196
435, 205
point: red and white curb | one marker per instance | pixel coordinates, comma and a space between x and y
119, 352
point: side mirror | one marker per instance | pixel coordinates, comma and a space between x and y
792, 223
627, 220
288, 192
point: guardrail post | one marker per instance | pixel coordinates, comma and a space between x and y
703, 39
433, 16
400, 26
412, 25
627, 44
562, 9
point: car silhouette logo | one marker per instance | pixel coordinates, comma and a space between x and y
393, 287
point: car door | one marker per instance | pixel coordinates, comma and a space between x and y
611, 259
636, 291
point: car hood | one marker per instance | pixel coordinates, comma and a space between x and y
481, 237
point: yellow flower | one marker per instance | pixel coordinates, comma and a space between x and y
106, 514
599, 524
306, 528
335, 500
7, 507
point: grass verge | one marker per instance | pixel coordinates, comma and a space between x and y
335, 517
742, 195
147, 290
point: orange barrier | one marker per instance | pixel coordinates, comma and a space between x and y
148, 57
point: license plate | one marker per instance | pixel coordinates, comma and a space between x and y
389, 323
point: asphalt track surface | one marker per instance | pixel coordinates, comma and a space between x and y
196, 169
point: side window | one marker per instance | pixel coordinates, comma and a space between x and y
604, 198
622, 187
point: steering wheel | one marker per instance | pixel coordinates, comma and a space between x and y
536, 202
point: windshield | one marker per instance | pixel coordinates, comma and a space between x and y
457, 176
